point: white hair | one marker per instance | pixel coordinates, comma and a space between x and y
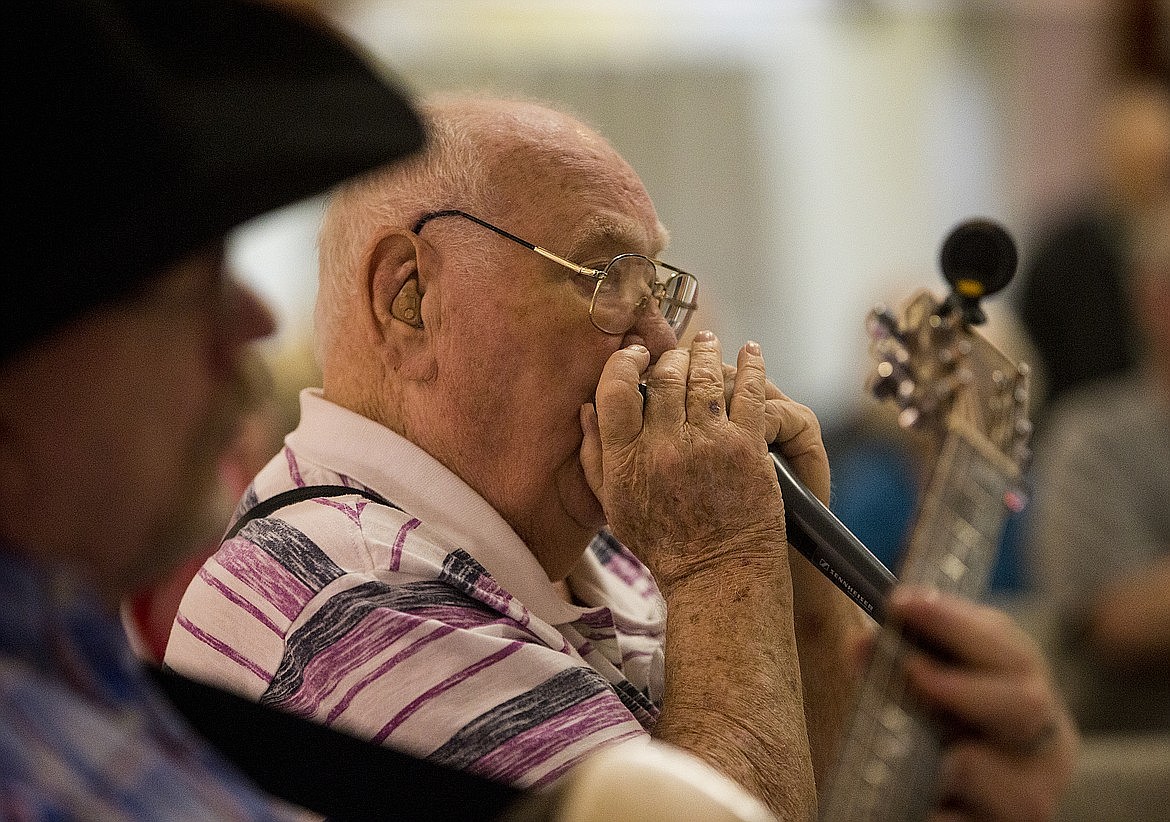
448, 173
471, 140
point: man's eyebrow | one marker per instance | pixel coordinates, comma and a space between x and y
623, 235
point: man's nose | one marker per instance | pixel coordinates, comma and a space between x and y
652, 331
243, 318
250, 316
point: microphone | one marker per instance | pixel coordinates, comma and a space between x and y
978, 258
830, 546
826, 542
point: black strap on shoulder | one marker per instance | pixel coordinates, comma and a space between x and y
331, 772
266, 507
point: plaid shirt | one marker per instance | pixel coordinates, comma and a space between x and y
83, 735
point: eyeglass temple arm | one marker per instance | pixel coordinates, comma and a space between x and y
580, 269
544, 252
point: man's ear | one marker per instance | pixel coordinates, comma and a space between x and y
396, 290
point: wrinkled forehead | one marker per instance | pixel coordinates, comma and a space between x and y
617, 232
565, 174
594, 207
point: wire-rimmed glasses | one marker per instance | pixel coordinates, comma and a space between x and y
623, 287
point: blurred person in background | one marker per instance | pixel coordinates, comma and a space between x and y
149, 612
137, 135
1100, 526
1073, 298
276, 377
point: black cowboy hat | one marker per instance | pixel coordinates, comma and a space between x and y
138, 131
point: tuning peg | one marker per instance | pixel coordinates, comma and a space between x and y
890, 350
1022, 450
948, 355
891, 380
881, 324
1020, 394
947, 337
1022, 455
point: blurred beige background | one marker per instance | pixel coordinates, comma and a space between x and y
808, 156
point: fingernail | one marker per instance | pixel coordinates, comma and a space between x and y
705, 336
752, 347
637, 348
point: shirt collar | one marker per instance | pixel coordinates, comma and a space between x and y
386, 462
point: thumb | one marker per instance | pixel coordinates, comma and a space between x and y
591, 448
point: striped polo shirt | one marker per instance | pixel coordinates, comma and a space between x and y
428, 626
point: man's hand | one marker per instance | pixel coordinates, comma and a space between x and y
686, 478
687, 484
796, 429
1011, 746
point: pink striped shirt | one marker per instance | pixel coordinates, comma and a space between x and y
431, 628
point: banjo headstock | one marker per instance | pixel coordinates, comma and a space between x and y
936, 368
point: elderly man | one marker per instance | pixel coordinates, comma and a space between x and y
466, 547
137, 135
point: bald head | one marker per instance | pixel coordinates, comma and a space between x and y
479, 153
512, 163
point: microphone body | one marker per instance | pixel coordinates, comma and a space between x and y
831, 547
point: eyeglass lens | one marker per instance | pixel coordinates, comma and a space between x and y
678, 301
630, 282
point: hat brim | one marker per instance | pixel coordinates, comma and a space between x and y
142, 130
